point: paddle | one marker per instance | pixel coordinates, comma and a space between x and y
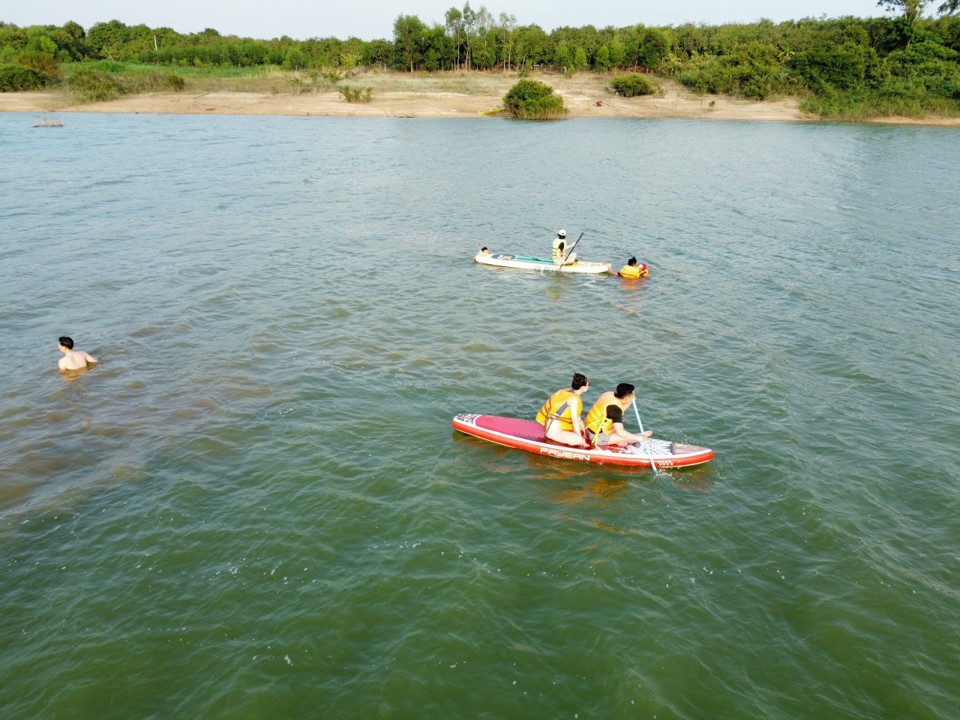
644, 444
570, 251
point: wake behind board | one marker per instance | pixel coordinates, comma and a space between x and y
528, 435
527, 262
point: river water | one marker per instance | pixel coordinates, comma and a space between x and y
255, 506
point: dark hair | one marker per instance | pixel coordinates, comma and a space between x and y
561, 246
483, 248
67, 342
623, 389
632, 261
579, 381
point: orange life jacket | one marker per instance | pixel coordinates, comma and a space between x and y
560, 408
597, 420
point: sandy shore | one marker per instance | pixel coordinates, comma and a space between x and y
447, 95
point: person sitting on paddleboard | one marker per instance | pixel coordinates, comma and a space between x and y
559, 250
560, 415
485, 251
632, 271
604, 422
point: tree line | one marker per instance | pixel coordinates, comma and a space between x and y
468, 40
903, 63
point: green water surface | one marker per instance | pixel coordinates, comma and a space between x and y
255, 506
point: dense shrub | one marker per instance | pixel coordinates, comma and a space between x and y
534, 100
356, 94
706, 74
42, 62
922, 71
96, 85
760, 73
16, 78
752, 70
174, 82
632, 85
826, 65
156, 82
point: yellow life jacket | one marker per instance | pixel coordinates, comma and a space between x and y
633, 271
597, 420
559, 407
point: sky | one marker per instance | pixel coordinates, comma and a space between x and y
372, 19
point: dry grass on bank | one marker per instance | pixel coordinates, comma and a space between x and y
444, 94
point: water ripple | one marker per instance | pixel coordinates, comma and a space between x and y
255, 503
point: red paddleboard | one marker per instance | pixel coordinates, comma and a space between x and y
528, 435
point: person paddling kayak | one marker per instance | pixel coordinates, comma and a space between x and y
604, 422
560, 256
560, 415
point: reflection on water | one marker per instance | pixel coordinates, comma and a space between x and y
596, 489
71, 375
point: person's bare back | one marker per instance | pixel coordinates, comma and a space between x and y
74, 359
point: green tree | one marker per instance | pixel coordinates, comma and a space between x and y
377, 52
618, 52
12, 40
505, 35
139, 41
71, 40
483, 53
106, 40
562, 57
469, 19
351, 52
531, 46
408, 33
295, 59
579, 58
652, 48
586, 37
905, 25
40, 52
454, 27
601, 59
438, 51
39, 40
910, 9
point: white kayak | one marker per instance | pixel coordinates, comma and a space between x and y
526, 262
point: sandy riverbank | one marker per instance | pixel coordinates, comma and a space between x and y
446, 95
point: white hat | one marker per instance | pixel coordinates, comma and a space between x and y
562, 233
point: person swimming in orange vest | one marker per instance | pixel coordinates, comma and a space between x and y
604, 422
632, 271
560, 415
